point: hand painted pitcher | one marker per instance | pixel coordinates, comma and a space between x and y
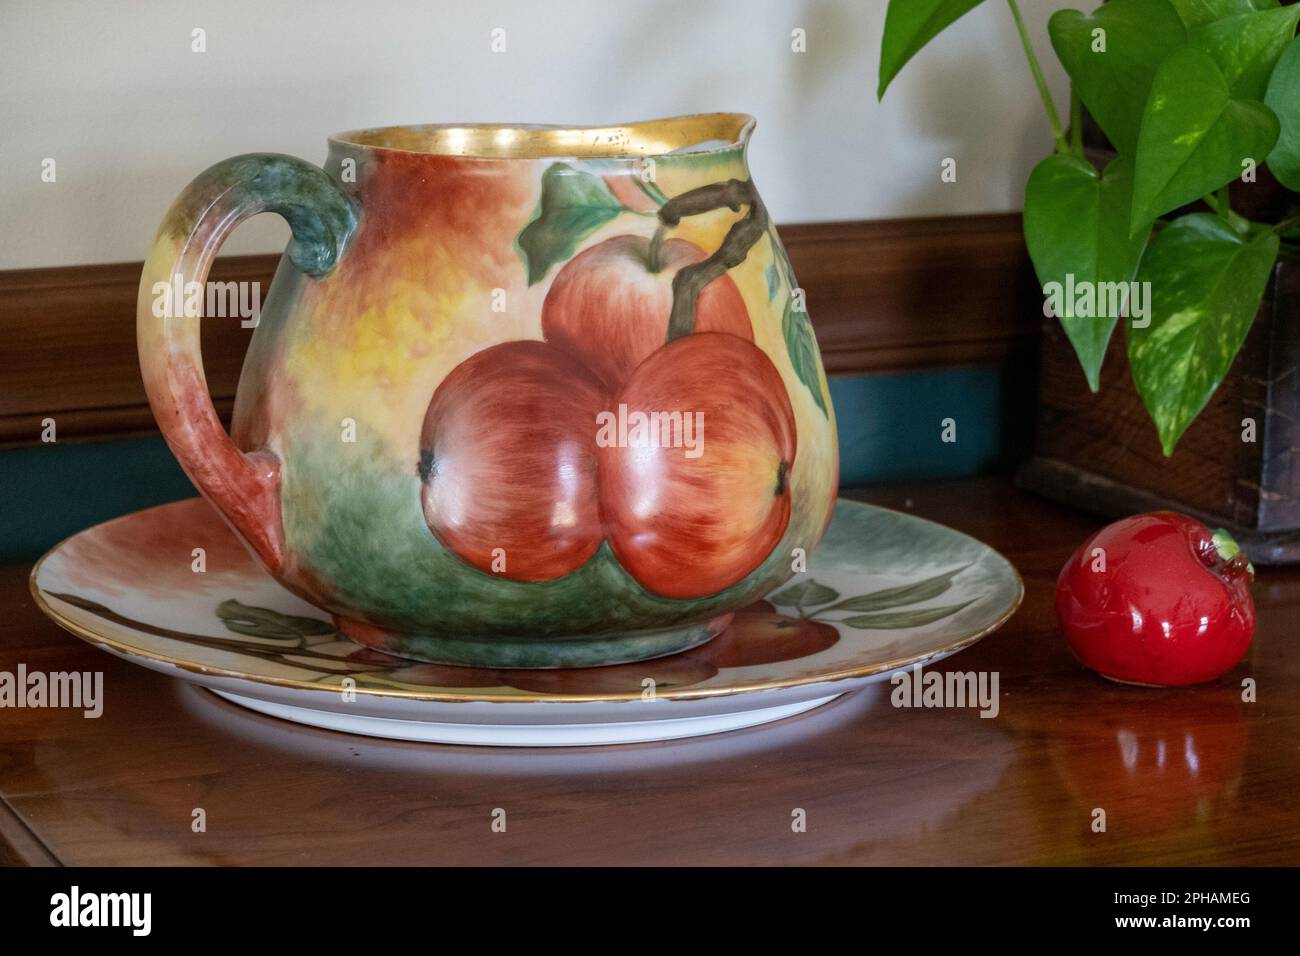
519, 396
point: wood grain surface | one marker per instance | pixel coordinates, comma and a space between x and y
1191, 776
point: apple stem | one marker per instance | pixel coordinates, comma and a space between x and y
1230, 553
652, 260
691, 280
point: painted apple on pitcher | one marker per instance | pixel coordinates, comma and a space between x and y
610, 305
531, 497
718, 514
496, 476
519, 396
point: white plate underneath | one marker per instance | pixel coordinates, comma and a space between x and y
883, 592
528, 735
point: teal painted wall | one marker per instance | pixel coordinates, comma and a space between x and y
890, 430
52, 491
891, 427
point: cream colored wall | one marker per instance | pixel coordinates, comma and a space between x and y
113, 93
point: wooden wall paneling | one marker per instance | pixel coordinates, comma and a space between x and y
884, 296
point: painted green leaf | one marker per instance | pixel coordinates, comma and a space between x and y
1112, 70
773, 281
1283, 97
910, 25
1194, 136
651, 189
574, 205
802, 345
1197, 13
1247, 47
1206, 285
804, 594
265, 623
1077, 231
900, 596
892, 620
781, 258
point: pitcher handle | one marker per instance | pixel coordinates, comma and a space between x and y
245, 487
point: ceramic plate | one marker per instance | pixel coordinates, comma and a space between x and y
172, 589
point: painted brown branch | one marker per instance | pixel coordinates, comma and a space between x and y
691, 280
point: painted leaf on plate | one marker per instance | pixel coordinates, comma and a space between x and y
1206, 285
892, 620
1194, 137
574, 204
804, 594
1113, 70
272, 625
902, 595
1077, 231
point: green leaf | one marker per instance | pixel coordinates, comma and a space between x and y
1197, 13
781, 258
271, 625
802, 346
1112, 70
1283, 97
797, 330
773, 281
900, 596
910, 25
892, 620
1206, 284
651, 189
804, 594
574, 205
1077, 231
1247, 47
1194, 136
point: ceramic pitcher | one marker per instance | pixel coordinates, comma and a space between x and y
518, 396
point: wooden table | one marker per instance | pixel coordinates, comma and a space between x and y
1183, 776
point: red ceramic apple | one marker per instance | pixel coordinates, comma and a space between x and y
688, 524
609, 306
508, 462
1157, 599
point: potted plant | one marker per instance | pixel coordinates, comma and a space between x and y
1168, 205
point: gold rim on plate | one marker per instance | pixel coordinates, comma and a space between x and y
698, 693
